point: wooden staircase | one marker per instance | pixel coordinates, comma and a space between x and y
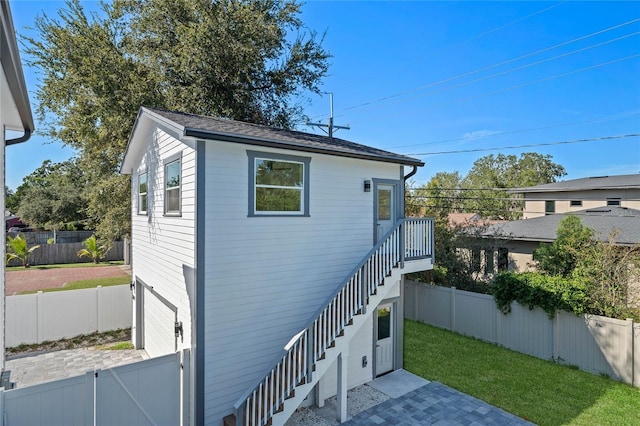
310, 353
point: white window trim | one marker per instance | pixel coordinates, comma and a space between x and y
255, 156
145, 211
168, 161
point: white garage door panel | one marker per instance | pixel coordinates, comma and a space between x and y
159, 320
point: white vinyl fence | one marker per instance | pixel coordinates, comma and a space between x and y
595, 344
35, 318
143, 393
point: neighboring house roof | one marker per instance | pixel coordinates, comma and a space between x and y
203, 127
16, 110
469, 219
588, 183
603, 220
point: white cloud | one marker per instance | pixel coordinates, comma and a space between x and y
479, 134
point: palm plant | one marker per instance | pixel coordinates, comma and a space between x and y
17, 248
94, 250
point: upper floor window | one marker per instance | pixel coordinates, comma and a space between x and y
172, 178
278, 184
549, 207
142, 193
613, 201
576, 203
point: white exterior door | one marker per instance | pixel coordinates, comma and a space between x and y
385, 209
159, 326
385, 339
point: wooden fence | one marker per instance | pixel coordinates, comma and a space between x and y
52, 254
596, 344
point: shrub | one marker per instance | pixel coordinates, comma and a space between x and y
550, 293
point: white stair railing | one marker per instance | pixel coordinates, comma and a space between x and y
409, 239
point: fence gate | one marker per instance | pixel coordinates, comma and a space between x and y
145, 393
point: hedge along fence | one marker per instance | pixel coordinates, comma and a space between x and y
52, 254
596, 344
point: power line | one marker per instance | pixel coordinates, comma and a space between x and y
406, 92
602, 120
460, 151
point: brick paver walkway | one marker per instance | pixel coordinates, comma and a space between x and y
40, 279
435, 404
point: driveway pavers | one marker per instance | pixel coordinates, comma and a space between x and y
34, 369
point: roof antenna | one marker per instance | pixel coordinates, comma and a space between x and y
330, 126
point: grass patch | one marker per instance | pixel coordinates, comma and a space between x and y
92, 283
66, 265
540, 391
112, 338
120, 346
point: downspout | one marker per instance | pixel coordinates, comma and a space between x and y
404, 185
23, 138
413, 172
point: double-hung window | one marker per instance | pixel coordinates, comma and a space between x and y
278, 184
172, 178
142, 193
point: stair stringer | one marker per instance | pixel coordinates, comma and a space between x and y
341, 344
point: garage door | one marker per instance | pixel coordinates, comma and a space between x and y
159, 322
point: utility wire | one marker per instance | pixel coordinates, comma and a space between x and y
459, 76
460, 151
575, 123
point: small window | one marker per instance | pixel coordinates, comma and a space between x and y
613, 201
172, 172
549, 207
142, 193
488, 261
503, 259
278, 185
576, 203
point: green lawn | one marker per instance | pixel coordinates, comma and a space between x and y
537, 390
65, 265
76, 285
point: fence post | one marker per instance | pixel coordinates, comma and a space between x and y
453, 308
39, 317
630, 354
98, 296
2, 422
499, 327
556, 335
185, 388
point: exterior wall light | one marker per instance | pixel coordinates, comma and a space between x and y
367, 186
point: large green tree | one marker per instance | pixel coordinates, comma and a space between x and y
246, 60
53, 196
489, 175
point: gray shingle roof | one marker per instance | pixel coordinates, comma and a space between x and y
589, 183
204, 127
603, 220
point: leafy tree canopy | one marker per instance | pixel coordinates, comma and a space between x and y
247, 60
481, 190
53, 195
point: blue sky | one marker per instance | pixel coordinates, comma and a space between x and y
421, 77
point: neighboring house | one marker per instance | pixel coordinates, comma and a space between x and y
580, 194
606, 204
516, 240
16, 120
276, 256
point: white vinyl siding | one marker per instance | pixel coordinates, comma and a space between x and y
163, 246
266, 277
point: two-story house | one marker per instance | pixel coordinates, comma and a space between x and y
276, 256
606, 204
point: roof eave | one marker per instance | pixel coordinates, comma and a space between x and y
10, 59
207, 134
